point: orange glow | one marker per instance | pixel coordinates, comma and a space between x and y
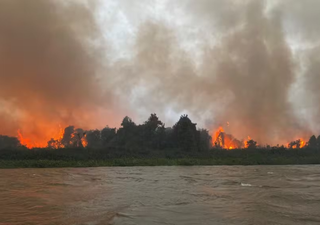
31, 140
25, 141
225, 141
245, 142
52, 139
218, 132
61, 132
84, 141
300, 143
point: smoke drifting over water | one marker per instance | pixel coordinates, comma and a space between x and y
220, 61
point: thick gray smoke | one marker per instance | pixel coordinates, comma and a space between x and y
49, 59
243, 80
254, 66
241, 69
312, 87
302, 17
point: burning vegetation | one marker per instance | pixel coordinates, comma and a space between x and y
151, 143
151, 134
69, 137
226, 141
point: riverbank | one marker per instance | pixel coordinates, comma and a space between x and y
51, 158
153, 162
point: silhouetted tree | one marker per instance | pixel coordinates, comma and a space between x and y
127, 123
107, 135
205, 142
295, 144
153, 123
68, 139
292, 144
78, 137
54, 144
128, 134
318, 141
9, 142
152, 132
185, 134
93, 138
251, 144
312, 142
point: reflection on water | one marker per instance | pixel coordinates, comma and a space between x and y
161, 195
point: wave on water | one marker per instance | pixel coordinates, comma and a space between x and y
246, 185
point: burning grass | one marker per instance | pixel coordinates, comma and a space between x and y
151, 144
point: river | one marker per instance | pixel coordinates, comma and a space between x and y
161, 195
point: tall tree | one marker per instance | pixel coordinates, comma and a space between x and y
127, 134
9, 142
251, 144
153, 123
312, 142
318, 141
127, 123
185, 134
107, 135
205, 142
68, 139
93, 138
152, 132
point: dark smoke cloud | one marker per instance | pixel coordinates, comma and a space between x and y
311, 100
301, 19
49, 59
165, 73
245, 79
307, 14
255, 65
51, 54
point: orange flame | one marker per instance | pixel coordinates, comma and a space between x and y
245, 142
41, 143
25, 141
84, 141
225, 141
300, 143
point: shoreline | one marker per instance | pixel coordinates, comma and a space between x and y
132, 162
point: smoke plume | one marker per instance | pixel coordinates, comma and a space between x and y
48, 66
254, 67
243, 80
222, 61
303, 17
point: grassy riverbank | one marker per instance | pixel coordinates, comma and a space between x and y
51, 158
155, 162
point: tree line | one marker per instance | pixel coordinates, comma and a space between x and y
150, 135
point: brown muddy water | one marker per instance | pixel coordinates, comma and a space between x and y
161, 195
